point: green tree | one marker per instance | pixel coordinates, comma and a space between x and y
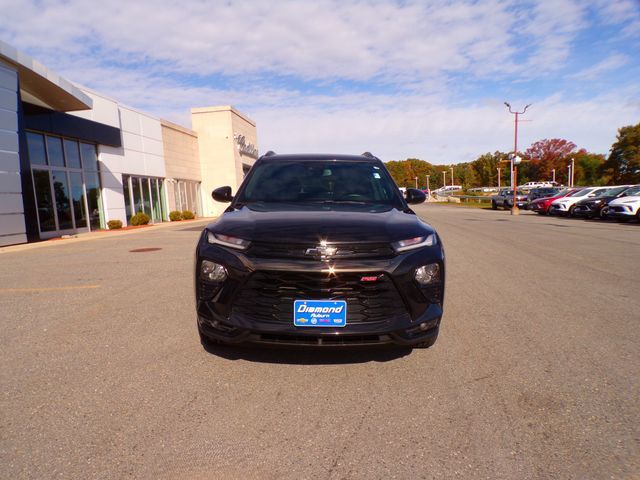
623, 164
486, 169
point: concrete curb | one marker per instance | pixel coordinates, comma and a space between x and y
100, 235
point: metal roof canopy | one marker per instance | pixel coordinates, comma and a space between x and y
39, 83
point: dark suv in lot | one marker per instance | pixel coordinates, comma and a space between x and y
319, 250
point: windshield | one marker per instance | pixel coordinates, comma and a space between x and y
612, 192
581, 193
632, 191
320, 181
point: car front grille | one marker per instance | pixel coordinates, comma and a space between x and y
268, 296
312, 252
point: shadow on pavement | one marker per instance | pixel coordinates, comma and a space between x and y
290, 355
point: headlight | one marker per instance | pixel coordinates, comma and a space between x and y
428, 274
212, 272
415, 242
227, 241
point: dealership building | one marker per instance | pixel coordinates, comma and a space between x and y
72, 159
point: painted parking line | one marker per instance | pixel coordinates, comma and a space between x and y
47, 289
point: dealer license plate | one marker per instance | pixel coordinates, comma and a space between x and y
319, 313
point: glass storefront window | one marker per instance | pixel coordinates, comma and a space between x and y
92, 184
37, 152
146, 199
71, 153
126, 191
54, 151
63, 203
44, 200
89, 156
155, 201
137, 194
78, 200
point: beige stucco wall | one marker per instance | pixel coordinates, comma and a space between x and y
180, 152
220, 159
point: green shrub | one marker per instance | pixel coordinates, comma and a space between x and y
114, 224
140, 218
175, 216
188, 215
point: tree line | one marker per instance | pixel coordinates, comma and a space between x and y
541, 161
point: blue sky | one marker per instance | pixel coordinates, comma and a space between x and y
423, 79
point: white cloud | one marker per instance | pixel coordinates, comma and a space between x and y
421, 58
613, 62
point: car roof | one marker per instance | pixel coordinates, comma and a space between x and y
307, 157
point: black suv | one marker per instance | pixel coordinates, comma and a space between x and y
319, 250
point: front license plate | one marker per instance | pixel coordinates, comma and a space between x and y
319, 313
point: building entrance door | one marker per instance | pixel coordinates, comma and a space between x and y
60, 202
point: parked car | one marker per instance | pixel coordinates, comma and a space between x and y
598, 206
627, 206
504, 199
565, 206
319, 251
541, 205
447, 190
541, 192
532, 185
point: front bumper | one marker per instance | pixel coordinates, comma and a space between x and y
254, 305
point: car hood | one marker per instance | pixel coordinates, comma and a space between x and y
312, 225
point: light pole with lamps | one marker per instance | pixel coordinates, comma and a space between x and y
573, 170
569, 175
515, 159
498, 179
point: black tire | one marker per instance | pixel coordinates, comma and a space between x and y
494, 206
427, 343
505, 206
570, 212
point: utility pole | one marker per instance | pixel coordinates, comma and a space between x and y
515, 159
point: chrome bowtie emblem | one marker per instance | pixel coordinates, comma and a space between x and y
321, 251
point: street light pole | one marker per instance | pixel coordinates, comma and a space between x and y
569, 175
428, 188
451, 168
573, 170
444, 179
416, 182
553, 172
515, 158
498, 179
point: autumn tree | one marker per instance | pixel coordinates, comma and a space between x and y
547, 155
486, 168
623, 164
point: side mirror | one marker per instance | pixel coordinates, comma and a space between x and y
222, 194
414, 196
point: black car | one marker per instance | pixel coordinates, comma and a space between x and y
598, 206
319, 250
542, 192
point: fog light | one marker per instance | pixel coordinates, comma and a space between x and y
212, 272
428, 274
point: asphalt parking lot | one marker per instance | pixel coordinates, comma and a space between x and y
535, 374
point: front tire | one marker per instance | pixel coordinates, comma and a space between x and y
494, 205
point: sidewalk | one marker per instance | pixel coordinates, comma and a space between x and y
100, 234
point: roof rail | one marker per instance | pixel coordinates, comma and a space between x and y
369, 154
269, 153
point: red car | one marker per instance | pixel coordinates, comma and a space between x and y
541, 205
